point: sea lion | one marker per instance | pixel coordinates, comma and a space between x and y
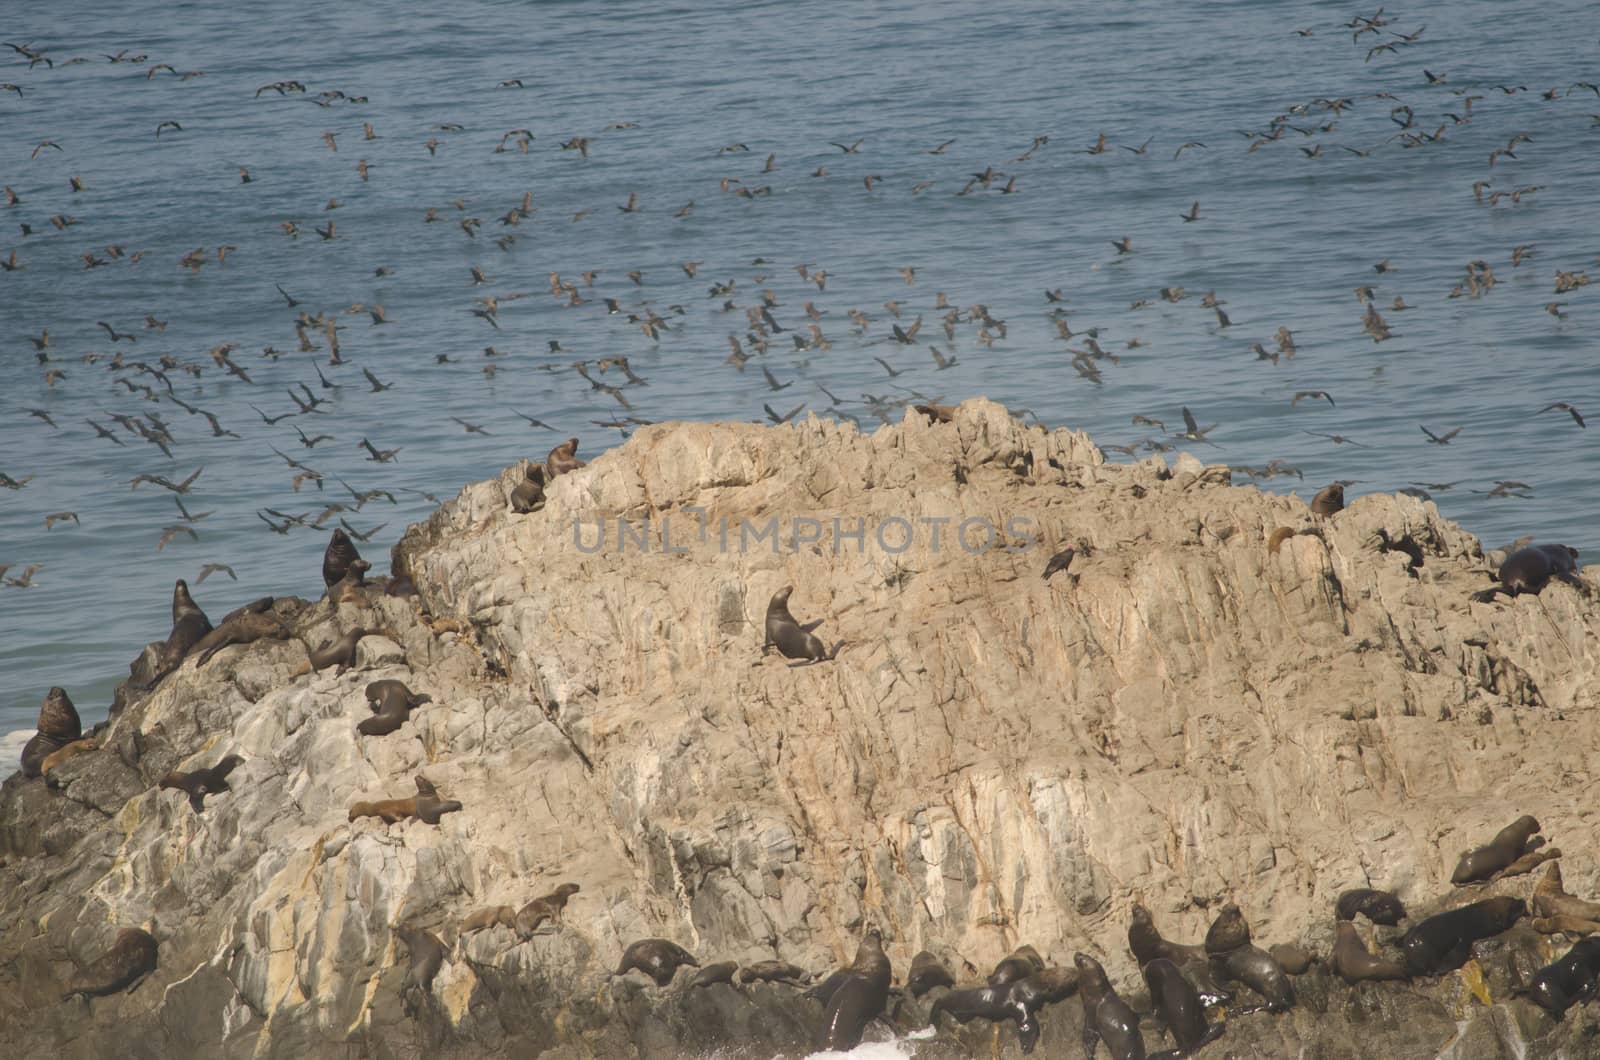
791, 639
341, 652
1329, 499
563, 458
489, 917
774, 972
1291, 957
1033, 993
1571, 978
1279, 536
1354, 963
202, 782
58, 726
1380, 907
1563, 924
1105, 1015
546, 907
860, 998
528, 496
1177, 1004
425, 805
391, 702
1020, 964
1509, 844
189, 624
131, 957
1145, 940
978, 1002
824, 990
243, 629
56, 759
1234, 957
657, 958
927, 972
1529, 570
1443, 942
721, 972
338, 556
1528, 862
1551, 899
427, 954
352, 588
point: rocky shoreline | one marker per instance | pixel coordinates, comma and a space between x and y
1224, 698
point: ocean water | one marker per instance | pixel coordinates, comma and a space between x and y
685, 103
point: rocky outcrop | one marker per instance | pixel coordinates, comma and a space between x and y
1186, 717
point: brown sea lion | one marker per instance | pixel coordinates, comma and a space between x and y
563, 458
1329, 499
860, 998
1291, 957
1354, 963
1380, 907
1145, 940
1228, 931
546, 907
660, 959
189, 624
352, 588
1550, 898
242, 629
1106, 1017
426, 955
1177, 1004
927, 972
791, 639
1279, 536
392, 703
1033, 993
489, 917
721, 972
1234, 957
1443, 942
1529, 570
1562, 924
202, 782
341, 652
1021, 963
528, 496
131, 957
425, 805
338, 556
1571, 978
1509, 844
937, 413
56, 759
1528, 862
774, 972
58, 726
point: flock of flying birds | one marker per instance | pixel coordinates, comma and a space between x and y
324, 414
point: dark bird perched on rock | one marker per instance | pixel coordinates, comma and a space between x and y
202, 782
1060, 561
131, 957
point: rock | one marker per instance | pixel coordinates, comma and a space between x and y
992, 759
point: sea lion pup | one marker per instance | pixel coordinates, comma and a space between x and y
1550, 899
350, 589
927, 972
1329, 499
1380, 907
392, 703
528, 496
1234, 957
1564, 925
338, 556
860, 998
58, 726
131, 957
1509, 844
660, 959
1021, 963
425, 805
55, 759
341, 652
202, 782
246, 628
1443, 942
426, 954
546, 907
721, 972
563, 458
791, 639
1105, 1015
774, 972
1571, 978
1354, 963
1177, 1004
489, 917
189, 624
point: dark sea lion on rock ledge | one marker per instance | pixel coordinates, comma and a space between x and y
426, 955
1106, 1017
792, 640
202, 782
391, 702
562, 459
1234, 957
1145, 940
1354, 963
528, 496
425, 805
1509, 844
1380, 907
131, 957
1571, 978
341, 652
337, 557
1177, 1004
1021, 963
489, 917
774, 972
1443, 942
721, 972
189, 625
246, 628
545, 907
58, 726
860, 998
660, 959
1529, 570
927, 972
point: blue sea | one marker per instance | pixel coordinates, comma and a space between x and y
727, 156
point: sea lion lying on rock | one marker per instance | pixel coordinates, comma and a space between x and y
1443, 942
546, 907
131, 957
660, 959
202, 782
425, 805
245, 628
1509, 844
392, 703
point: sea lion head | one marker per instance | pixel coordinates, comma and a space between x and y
182, 602
58, 718
780, 599
1228, 932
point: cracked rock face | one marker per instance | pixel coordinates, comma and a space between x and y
1185, 718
